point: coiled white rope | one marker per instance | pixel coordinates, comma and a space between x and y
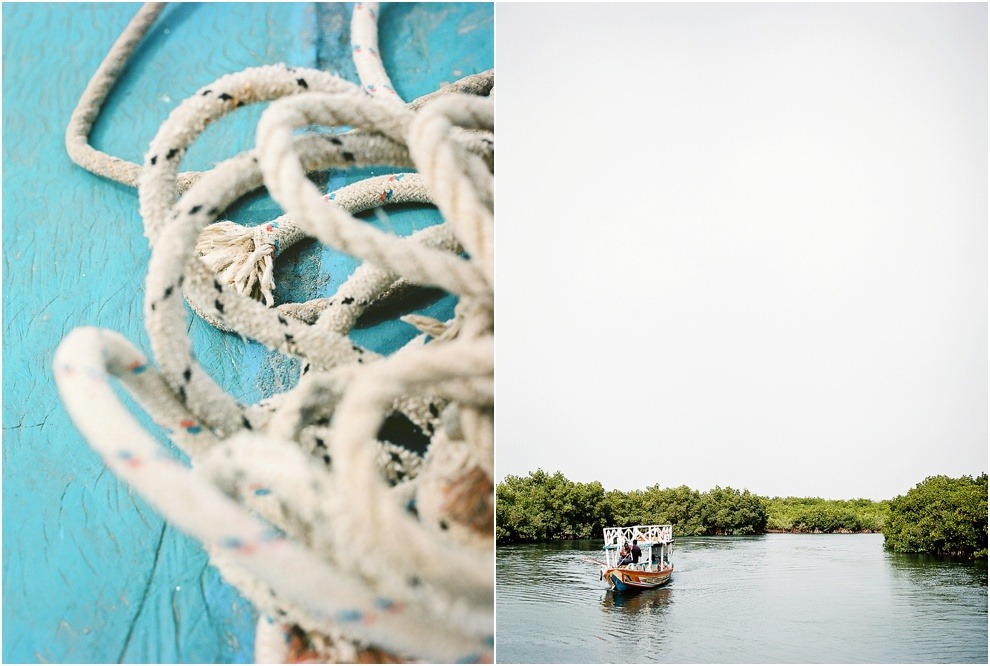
344, 542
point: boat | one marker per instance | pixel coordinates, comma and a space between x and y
654, 567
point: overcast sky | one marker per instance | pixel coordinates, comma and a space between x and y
742, 245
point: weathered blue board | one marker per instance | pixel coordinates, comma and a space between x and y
90, 572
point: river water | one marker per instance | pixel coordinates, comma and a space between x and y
775, 598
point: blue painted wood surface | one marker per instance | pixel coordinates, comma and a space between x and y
90, 572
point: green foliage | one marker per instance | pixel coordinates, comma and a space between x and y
813, 514
941, 516
543, 507
728, 511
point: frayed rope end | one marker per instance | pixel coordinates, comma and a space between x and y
242, 257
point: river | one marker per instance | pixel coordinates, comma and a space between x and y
775, 598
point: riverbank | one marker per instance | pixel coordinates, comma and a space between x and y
547, 507
939, 516
839, 531
767, 531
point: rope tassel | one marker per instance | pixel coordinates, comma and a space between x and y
241, 257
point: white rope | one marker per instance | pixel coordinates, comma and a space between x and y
364, 49
91, 102
82, 364
328, 531
444, 161
288, 185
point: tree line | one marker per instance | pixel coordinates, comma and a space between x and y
940, 515
816, 515
546, 507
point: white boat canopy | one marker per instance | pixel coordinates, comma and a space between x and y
650, 534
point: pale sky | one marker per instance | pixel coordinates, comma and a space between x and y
742, 245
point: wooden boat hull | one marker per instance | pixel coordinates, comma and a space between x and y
621, 580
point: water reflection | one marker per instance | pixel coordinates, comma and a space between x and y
923, 579
652, 601
635, 623
921, 568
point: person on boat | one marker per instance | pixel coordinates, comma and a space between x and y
635, 552
625, 555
